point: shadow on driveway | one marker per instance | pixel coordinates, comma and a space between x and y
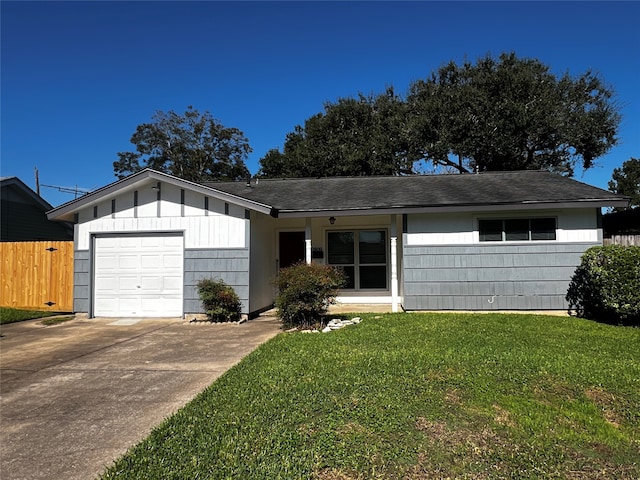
76, 396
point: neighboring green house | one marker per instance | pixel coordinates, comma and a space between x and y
23, 217
491, 241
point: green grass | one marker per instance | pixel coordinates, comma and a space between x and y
10, 315
414, 396
56, 320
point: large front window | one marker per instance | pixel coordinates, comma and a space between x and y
362, 254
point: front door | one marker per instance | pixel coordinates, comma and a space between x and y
292, 248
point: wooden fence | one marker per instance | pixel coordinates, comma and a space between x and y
37, 275
623, 240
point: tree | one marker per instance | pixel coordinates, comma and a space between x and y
498, 114
511, 114
192, 146
367, 135
626, 181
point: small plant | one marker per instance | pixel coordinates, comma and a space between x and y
220, 301
305, 291
606, 285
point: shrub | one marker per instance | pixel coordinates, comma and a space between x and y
606, 285
305, 291
220, 301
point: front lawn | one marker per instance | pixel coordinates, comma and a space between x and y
10, 315
414, 396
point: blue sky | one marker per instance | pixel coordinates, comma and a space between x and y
78, 77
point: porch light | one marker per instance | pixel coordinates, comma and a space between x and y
332, 220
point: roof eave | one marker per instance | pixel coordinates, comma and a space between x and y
526, 205
15, 181
65, 212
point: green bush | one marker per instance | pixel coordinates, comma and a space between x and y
305, 291
606, 285
220, 301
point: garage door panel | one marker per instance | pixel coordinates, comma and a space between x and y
151, 241
164, 285
173, 241
127, 242
106, 284
151, 284
138, 276
127, 306
172, 261
109, 243
128, 261
150, 261
166, 305
104, 306
173, 284
110, 261
127, 284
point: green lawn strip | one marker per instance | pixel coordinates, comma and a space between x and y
11, 315
57, 320
414, 396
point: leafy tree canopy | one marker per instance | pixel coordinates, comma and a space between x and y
497, 114
512, 114
626, 181
367, 135
192, 146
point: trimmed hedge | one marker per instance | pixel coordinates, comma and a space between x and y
606, 285
220, 301
305, 291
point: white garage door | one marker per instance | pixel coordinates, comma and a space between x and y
138, 276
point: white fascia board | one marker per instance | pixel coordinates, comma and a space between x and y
453, 208
65, 212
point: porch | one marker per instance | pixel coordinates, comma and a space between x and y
365, 247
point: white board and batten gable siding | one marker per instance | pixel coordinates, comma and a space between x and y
202, 228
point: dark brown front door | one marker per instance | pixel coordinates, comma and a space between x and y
292, 248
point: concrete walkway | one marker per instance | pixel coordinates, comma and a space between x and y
76, 396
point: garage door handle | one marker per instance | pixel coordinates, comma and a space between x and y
138, 286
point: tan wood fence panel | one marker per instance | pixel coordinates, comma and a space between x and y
626, 240
37, 275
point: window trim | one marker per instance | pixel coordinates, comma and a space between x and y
529, 232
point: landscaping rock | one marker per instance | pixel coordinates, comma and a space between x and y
337, 324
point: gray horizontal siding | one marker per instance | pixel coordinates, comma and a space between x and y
489, 277
229, 265
81, 281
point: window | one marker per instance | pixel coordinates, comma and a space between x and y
517, 229
362, 254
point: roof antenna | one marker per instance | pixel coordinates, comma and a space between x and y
37, 180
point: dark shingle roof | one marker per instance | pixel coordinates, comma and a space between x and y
367, 193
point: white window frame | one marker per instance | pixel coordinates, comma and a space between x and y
519, 217
356, 265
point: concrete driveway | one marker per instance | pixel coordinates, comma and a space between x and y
76, 396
